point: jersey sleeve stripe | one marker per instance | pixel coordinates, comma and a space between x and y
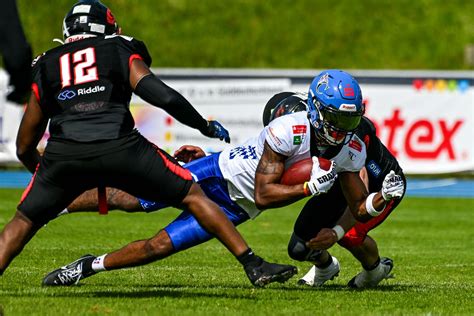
35, 89
132, 58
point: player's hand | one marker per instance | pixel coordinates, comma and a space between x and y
321, 180
325, 239
216, 130
189, 153
392, 186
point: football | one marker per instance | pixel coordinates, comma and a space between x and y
300, 171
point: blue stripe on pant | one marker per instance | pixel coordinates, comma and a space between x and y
185, 231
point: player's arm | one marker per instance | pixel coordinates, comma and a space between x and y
32, 127
269, 193
363, 205
154, 91
327, 237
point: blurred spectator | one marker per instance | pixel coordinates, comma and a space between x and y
16, 52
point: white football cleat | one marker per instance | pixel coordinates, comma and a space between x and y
366, 279
317, 277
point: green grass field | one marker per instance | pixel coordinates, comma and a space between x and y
430, 240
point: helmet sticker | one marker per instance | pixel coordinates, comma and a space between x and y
348, 107
84, 8
349, 91
99, 28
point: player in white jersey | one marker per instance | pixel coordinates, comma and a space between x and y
244, 181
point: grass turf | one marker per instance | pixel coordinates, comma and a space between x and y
430, 240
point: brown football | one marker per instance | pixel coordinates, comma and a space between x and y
300, 171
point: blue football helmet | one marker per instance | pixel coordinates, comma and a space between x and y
89, 17
335, 106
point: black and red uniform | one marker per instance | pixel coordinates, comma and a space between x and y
83, 88
324, 210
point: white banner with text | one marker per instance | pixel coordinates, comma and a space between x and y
428, 125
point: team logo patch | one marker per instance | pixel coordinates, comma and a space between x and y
299, 132
297, 140
355, 145
299, 129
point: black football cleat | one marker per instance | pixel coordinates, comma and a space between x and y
70, 274
267, 273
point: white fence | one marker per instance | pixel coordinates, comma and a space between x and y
426, 118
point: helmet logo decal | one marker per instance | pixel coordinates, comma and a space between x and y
110, 17
349, 91
323, 82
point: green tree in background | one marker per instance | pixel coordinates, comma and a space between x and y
350, 34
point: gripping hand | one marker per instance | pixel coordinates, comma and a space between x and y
393, 186
214, 129
321, 180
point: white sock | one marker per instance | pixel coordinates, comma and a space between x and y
98, 264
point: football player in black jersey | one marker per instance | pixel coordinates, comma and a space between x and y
16, 52
321, 212
84, 88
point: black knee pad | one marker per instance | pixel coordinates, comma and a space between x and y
297, 250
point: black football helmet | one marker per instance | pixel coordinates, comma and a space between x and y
282, 104
89, 17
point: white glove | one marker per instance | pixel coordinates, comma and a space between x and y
392, 186
321, 180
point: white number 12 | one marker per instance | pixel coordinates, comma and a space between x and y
84, 67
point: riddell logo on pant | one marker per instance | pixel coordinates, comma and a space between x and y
90, 90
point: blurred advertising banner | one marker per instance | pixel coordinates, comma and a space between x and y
425, 119
428, 130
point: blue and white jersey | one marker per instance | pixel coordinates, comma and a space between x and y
288, 135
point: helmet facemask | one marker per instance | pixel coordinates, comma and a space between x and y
332, 126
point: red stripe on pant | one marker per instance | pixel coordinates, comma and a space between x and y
28, 188
356, 235
175, 168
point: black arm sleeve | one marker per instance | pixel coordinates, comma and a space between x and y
156, 92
